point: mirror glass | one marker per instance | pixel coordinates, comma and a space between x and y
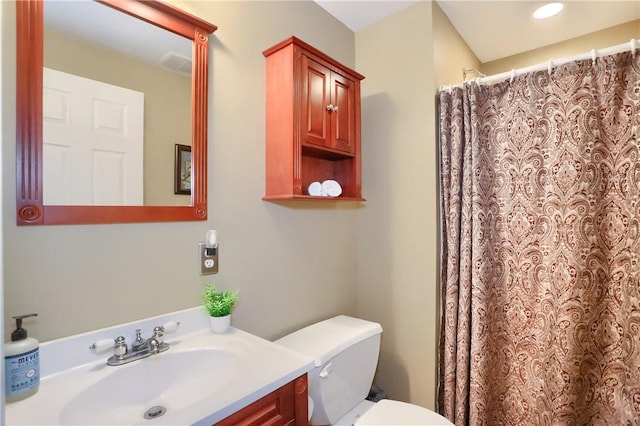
111, 112
115, 104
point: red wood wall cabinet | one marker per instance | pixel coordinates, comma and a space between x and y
312, 123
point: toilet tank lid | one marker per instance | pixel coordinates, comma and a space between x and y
325, 339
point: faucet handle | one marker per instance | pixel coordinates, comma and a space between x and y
102, 345
170, 326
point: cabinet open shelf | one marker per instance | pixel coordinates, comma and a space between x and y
309, 198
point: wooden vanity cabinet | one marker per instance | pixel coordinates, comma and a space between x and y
312, 122
287, 405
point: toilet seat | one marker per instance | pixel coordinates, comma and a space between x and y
389, 412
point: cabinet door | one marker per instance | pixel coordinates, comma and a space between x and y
316, 94
275, 409
328, 107
342, 115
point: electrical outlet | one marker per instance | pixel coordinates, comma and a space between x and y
207, 262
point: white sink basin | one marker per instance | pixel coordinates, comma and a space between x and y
202, 378
171, 381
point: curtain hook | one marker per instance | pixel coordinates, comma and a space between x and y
593, 57
633, 47
513, 75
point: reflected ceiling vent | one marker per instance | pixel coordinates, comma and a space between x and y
177, 63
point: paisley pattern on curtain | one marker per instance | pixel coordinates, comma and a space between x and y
540, 180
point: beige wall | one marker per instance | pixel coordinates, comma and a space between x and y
404, 60
293, 263
576, 46
397, 232
167, 105
450, 52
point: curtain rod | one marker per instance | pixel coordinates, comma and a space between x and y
593, 54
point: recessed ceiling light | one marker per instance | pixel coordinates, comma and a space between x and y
548, 10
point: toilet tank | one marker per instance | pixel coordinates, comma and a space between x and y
345, 350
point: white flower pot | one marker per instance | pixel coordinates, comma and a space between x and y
220, 324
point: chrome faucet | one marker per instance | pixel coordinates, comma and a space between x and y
140, 348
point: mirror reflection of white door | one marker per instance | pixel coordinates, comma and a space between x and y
93, 136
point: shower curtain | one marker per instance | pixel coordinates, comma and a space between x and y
540, 181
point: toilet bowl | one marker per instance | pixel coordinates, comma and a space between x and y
390, 412
345, 353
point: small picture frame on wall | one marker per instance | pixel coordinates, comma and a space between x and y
182, 183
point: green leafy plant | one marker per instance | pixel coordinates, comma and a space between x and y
219, 303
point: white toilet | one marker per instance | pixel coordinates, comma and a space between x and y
345, 350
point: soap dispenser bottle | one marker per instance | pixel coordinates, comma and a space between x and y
21, 363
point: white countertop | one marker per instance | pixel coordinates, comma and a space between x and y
267, 367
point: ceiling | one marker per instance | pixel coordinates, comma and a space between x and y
496, 29
95, 23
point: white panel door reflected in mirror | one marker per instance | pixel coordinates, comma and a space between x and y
138, 56
92, 140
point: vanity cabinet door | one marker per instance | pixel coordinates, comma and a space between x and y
286, 406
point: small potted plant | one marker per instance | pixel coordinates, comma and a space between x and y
219, 304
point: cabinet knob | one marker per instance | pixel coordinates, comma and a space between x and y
331, 107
